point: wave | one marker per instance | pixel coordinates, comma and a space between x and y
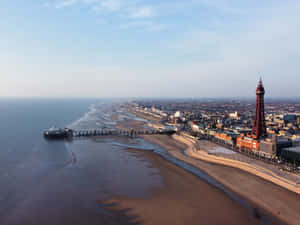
98, 116
85, 117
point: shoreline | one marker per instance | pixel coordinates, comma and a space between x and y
183, 199
262, 191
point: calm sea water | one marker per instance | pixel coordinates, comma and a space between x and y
22, 122
39, 183
24, 153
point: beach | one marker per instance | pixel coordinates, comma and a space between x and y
281, 203
183, 199
260, 191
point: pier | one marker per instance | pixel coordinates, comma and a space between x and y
133, 133
114, 132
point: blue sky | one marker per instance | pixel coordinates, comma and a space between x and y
149, 48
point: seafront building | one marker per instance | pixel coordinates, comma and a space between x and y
267, 130
258, 141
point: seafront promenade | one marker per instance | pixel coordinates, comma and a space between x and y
263, 172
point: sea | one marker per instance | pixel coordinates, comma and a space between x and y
62, 182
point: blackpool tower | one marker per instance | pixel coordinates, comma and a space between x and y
259, 125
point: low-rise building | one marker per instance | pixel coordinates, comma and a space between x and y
227, 137
247, 142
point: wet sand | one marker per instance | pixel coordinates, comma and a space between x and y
184, 199
131, 124
281, 203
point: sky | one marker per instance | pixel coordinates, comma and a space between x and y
149, 48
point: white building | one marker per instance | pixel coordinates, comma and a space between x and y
234, 115
178, 114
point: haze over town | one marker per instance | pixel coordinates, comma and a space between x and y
148, 48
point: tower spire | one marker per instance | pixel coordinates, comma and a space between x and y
259, 125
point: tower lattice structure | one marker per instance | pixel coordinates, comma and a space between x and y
259, 124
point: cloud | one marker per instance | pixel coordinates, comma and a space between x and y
142, 12
137, 10
136, 24
112, 5
65, 3
89, 1
144, 25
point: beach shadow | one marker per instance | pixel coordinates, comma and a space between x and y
121, 216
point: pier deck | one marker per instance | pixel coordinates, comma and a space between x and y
112, 132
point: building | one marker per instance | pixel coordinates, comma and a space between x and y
178, 114
258, 141
247, 142
259, 124
227, 137
268, 147
291, 154
234, 115
290, 118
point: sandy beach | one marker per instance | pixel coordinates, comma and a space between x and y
280, 202
184, 199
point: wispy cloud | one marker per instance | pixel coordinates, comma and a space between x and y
65, 3
144, 25
142, 12
112, 5
134, 11
136, 24
131, 11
